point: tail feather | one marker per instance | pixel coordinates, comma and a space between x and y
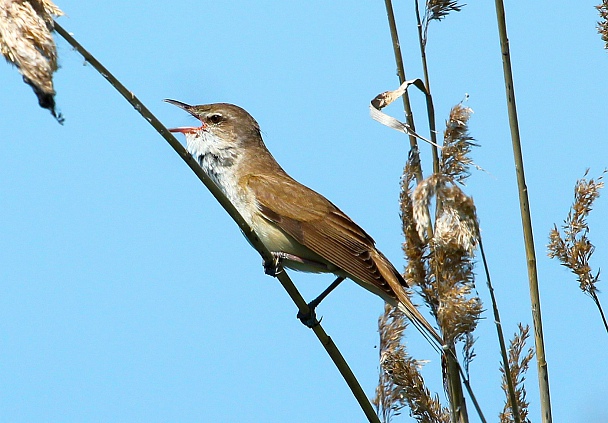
403, 302
423, 326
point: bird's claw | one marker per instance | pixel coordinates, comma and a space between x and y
273, 267
309, 319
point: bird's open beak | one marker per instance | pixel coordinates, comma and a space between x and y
179, 104
187, 108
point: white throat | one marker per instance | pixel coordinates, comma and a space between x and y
220, 160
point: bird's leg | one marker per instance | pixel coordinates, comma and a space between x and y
309, 318
274, 267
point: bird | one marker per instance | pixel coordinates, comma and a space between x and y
302, 229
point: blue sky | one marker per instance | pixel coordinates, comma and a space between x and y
127, 294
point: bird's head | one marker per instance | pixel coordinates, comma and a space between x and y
223, 120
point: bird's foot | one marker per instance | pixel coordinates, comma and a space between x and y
273, 267
309, 319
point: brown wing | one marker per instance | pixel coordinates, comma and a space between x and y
318, 225
324, 229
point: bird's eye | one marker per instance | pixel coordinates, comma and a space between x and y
215, 118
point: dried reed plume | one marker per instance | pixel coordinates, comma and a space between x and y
435, 10
26, 42
574, 250
518, 366
440, 265
450, 279
400, 382
602, 25
439, 9
457, 143
453, 279
415, 247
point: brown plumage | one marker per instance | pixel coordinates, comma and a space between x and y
289, 217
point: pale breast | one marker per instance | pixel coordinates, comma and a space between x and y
220, 161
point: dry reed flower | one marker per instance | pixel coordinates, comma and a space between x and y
450, 278
421, 199
574, 250
602, 25
454, 167
417, 203
414, 247
456, 225
518, 366
389, 399
456, 222
440, 264
436, 10
453, 279
449, 273
439, 9
26, 42
457, 143
400, 381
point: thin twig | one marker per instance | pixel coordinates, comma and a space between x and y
543, 373
251, 236
501, 338
430, 108
599, 307
467, 385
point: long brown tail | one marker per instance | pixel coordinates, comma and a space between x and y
421, 323
403, 302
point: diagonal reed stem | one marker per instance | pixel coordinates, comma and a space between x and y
596, 300
501, 337
324, 339
543, 372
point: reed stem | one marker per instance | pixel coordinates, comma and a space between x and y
501, 339
543, 373
409, 116
324, 339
